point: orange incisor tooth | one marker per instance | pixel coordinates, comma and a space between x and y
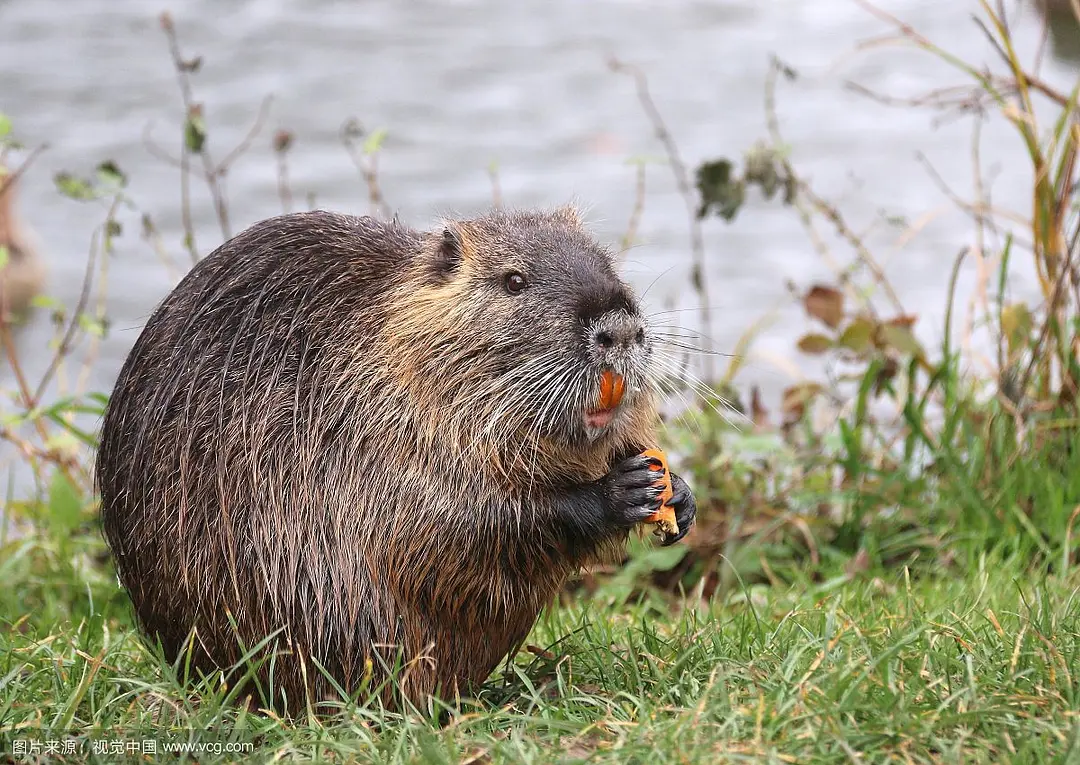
664, 518
612, 387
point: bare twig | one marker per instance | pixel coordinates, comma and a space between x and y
367, 163
159, 152
979, 212
8, 343
1044, 39
249, 138
11, 178
101, 312
282, 143
637, 211
1044, 332
907, 33
828, 211
192, 112
213, 174
682, 180
12, 354
66, 342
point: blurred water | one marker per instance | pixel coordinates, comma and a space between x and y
462, 84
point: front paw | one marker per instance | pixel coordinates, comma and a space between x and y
682, 499
631, 493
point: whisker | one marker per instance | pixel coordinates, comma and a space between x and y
663, 386
705, 392
693, 348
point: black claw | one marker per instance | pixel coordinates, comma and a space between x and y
633, 490
641, 480
667, 541
633, 464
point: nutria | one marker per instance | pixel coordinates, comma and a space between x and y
377, 444
23, 276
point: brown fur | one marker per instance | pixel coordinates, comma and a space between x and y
300, 444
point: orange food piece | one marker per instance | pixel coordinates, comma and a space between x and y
612, 387
664, 518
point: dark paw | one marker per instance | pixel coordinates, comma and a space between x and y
685, 509
630, 491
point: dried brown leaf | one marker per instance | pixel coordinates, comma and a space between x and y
826, 304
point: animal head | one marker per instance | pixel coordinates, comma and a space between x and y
521, 329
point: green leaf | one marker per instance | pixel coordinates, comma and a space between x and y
195, 131
109, 174
858, 336
65, 507
374, 141
91, 326
902, 339
719, 189
5, 125
74, 188
72, 436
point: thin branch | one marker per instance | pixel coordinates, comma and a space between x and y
12, 178
282, 143
159, 152
213, 173
366, 163
245, 143
682, 180
66, 341
637, 211
1044, 332
824, 208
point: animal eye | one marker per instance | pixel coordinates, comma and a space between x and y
515, 283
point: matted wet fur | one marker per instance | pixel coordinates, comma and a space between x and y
364, 438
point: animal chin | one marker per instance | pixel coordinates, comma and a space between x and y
599, 419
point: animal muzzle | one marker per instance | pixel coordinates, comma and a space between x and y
618, 347
615, 336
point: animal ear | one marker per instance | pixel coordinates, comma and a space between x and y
449, 250
453, 246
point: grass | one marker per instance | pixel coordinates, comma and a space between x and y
884, 569
884, 665
951, 640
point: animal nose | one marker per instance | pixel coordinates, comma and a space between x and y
618, 330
